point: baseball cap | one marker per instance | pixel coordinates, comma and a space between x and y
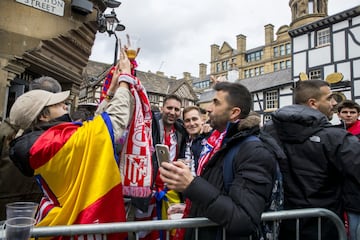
29, 105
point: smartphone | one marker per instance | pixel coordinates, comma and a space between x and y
162, 153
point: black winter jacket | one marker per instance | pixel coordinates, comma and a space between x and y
238, 211
181, 135
321, 160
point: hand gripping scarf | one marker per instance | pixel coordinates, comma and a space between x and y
135, 156
109, 76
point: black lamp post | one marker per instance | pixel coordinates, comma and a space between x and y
111, 24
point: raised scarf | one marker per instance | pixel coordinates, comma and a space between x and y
135, 157
107, 80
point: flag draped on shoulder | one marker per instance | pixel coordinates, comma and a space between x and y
79, 174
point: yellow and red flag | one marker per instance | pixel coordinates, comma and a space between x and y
78, 170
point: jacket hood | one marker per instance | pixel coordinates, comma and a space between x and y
296, 123
244, 127
249, 122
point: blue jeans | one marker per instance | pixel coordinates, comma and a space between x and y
354, 226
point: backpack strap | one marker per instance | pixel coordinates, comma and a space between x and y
228, 170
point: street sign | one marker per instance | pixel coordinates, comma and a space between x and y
52, 6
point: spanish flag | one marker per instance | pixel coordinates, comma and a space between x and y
78, 170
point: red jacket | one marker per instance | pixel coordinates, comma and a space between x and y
355, 129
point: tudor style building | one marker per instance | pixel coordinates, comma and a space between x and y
157, 86
330, 49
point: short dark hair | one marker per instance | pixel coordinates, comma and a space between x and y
238, 96
348, 104
172, 96
45, 83
304, 90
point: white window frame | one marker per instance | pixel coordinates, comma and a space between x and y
323, 37
272, 99
315, 74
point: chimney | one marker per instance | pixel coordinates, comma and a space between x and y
173, 77
202, 71
241, 43
214, 51
187, 76
269, 34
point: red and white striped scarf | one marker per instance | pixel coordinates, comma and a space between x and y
212, 145
135, 157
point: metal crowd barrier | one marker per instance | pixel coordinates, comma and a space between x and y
106, 228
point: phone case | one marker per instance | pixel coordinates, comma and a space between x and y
162, 153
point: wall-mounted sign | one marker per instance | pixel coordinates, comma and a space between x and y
52, 6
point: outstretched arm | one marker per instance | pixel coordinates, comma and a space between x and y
120, 101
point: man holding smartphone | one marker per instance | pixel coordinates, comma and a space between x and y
167, 129
238, 209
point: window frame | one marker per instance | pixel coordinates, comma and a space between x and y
323, 37
272, 99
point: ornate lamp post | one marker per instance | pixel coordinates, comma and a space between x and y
111, 24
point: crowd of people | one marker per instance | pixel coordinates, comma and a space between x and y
86, 167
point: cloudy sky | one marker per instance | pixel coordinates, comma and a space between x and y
176, 35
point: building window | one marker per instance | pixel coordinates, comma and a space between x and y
288, 64
282, 65
247, 73
315, 74
276, 51
261, 70
153, 98
271, 99
254, 56
323, 37
311, 6
225, 65
276, 66
282, 50
288, 49
218, 67
252, 72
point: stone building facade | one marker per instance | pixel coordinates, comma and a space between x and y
264, 70
273, 56
45, 37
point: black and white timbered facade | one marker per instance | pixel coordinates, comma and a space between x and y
327, 46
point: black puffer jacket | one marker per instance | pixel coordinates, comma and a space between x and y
239, 210
321, 160
20, 147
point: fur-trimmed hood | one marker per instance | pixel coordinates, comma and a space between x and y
249, 122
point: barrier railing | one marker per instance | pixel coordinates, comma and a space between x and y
136, 227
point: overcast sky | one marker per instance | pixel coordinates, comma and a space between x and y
176, 35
